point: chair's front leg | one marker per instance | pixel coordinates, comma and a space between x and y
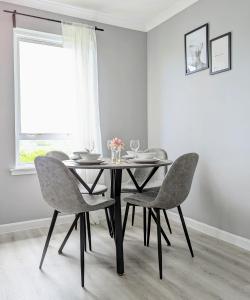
185, 231
144, 226
84, 228
149, 226
82, 245
75, 224
89, 231
52, 225
133, 215
158, 216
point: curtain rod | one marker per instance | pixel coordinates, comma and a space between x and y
14, 13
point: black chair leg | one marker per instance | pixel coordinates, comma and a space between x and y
167, 221
133, 215
112, 222
88, 230
125, 219
82, 245
149, 226
185, 231
158, 216
108, 222
51, 228
144, 226
162, 231
76, 225
68, 234
84, 228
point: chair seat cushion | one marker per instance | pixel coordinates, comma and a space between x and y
141, 199
98, 202
99, 189
153, 185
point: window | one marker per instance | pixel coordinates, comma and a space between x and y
43, 95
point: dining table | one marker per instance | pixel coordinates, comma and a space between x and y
116, 170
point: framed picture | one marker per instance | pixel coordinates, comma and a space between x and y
220, 54
196, 50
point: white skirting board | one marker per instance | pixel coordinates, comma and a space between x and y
199, 226
33, 224
225, 236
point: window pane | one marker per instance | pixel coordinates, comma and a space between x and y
45, 89
29, 150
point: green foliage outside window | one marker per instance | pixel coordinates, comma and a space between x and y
29, 157
29, 150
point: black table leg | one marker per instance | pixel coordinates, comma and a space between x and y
117, 180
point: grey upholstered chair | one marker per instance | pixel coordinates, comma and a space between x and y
153, 185
60, 191
99, 189
173, 192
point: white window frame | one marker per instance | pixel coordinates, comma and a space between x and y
32, 36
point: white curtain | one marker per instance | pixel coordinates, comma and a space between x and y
80, 41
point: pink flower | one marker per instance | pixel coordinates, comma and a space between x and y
117, 144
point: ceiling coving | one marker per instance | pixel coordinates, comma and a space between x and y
141, 15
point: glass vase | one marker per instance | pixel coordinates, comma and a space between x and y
116, 156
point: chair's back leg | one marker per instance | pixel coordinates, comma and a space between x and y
51, 228
108, 222
162, 231
125, 219
185, 231
68, 234
167, 221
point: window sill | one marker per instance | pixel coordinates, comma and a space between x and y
23, 170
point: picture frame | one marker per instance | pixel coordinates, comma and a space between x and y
197, 49
221, 53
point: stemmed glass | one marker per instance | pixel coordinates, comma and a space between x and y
134, 145
109, 147
109, 144
92, 146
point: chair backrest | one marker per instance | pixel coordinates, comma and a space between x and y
58, 155
161, 154
177, 183
141, 174
58, 186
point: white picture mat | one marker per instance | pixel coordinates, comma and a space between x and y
220, 54
196, 40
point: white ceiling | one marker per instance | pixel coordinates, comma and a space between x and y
140, 15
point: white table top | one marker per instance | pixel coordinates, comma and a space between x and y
107, 164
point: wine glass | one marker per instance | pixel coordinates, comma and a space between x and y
91, 146
109, 144
134, 145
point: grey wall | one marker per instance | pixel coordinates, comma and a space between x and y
206, 114
122, 61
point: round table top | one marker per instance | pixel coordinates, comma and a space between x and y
107, 164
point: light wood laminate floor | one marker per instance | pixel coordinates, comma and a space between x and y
218, 271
